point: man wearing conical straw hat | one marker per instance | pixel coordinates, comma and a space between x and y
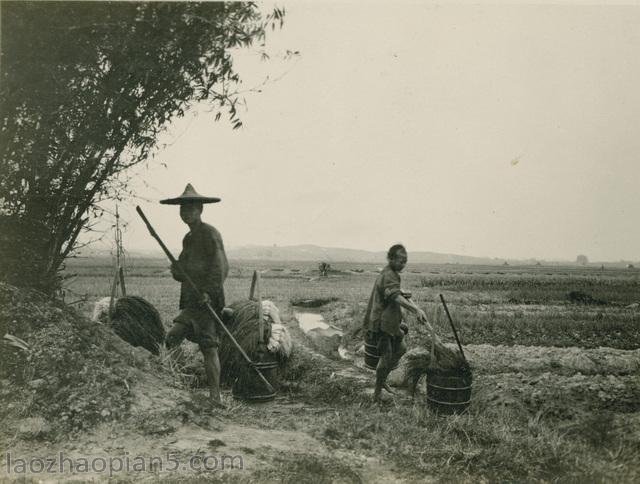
205, 262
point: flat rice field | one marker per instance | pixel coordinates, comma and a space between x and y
554, 350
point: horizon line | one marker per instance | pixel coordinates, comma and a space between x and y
501, 259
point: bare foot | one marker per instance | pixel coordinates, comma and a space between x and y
388, 389
217, 403
380, 400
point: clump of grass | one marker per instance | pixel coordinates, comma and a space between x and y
596, 428
301, 365
490, 444
176, 363
304, 467
312, 302
581, 297
333, 390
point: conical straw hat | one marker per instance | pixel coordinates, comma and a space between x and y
188, 196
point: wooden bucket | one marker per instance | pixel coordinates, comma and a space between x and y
371, 354
449, 390
251, 388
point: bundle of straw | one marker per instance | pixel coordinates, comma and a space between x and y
245, 327
420, 361
137, 322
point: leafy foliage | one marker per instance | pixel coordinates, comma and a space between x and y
582, 259
86, 89
324, 268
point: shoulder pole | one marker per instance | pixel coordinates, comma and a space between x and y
211, 310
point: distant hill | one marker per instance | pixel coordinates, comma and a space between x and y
335, 254
314, 253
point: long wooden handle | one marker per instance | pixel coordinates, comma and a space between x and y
432, 360
123, 288
260, 315
254, 281
155, 236
211, 310
455, 333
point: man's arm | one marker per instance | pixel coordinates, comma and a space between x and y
176, 273
218, 266
411, 306
393, 292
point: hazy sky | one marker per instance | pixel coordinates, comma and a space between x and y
502, 131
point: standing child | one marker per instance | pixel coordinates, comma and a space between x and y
383, 318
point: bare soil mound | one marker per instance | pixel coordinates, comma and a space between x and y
539, 359
74, 387
559, 396
561, 383
71, 375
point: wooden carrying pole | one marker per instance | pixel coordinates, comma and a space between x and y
119, 255
195, 288
254, 281
118, 276
123, 288
255, 289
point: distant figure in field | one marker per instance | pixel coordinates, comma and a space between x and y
205, 262
383, 318
324, 268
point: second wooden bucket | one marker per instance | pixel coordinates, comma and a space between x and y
371, 354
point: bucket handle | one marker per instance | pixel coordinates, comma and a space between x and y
255, 293
455, 333
432, 360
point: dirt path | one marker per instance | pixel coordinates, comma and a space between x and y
195, 445
176, 436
